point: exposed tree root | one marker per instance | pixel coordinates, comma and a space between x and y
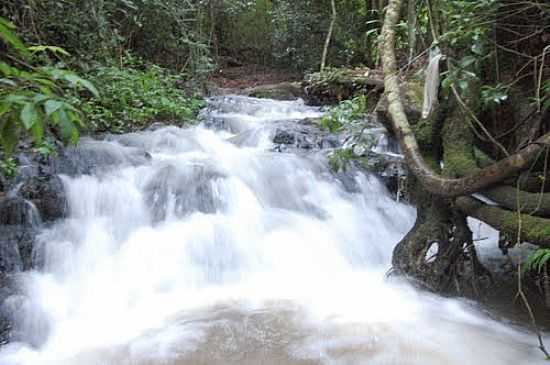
438, 251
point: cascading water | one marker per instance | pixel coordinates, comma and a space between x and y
218, 250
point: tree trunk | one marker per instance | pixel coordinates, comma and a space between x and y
329, 35
411, 22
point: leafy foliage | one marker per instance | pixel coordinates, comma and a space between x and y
33, 98
166, 32
468, 26
493, 95
133, 96
8, 167
537, 260
348, 114
339, 159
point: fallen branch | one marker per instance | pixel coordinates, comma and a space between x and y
529, 203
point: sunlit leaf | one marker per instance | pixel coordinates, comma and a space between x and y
53, 49
51, 106
29, 115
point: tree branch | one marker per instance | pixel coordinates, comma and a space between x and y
533, 229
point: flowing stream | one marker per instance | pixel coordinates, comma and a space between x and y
218, 249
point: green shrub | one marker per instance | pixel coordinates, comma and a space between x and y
132, 98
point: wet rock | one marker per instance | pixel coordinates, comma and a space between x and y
330, 141
16, 248
18, 211
190, 188
232, 125
7, 290
48, 195
91, 156
3, 184
291, 135
19, 221
391, 168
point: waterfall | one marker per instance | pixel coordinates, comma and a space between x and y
219, 249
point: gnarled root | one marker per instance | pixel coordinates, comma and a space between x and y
438, 252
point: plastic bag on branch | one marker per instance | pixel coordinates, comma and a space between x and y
431, 85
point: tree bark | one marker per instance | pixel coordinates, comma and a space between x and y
446, 187
411, 21
329, 35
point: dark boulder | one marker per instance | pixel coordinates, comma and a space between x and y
18, 211
298, 136
92, 156
48, 195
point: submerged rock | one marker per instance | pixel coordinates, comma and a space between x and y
180, 190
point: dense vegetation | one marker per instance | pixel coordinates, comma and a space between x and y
137, 61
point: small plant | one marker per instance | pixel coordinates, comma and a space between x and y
537, 260
339, 159
492, 96
8, 167
348, 114
45, 148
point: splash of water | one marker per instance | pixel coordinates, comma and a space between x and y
217, 251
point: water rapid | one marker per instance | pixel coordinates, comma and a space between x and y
217, 248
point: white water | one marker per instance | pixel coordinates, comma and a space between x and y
218, 254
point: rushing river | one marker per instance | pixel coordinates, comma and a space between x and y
219, 250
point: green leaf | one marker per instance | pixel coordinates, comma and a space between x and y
16, 99
9, 136
8, 82
7, 70
37, 131
29, 115
39, 98
467, 61
4, 108
7, 34
53, 49
76, 81
68, 130
51, 106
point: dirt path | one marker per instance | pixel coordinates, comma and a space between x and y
248, 76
